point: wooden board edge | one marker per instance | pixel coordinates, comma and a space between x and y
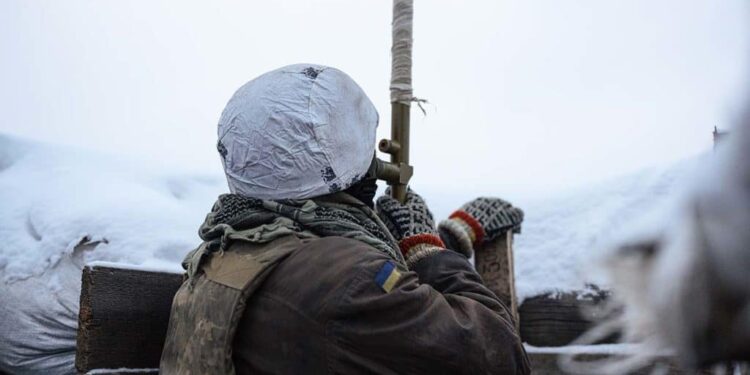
84, 319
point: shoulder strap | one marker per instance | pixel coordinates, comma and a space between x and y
204, 318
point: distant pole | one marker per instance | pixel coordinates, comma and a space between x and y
718, 136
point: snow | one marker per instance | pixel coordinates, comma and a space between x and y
123, 370
57, 199
63, 208
563, 234
174, 268
606, 349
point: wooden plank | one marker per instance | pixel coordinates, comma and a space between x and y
123, 317
124, 313
556, 320
494, 262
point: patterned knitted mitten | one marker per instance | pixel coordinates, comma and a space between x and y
480, 220
412, 225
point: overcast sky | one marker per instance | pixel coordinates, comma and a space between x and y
526, 95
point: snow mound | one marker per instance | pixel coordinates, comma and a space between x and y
56, 198
564, 235
63, 208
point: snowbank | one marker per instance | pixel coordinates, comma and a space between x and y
56, 198
62, 208
563, 234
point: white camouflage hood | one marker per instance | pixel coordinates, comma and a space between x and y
297, 132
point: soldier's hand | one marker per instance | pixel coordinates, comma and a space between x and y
482, 219
411, 223
406, 219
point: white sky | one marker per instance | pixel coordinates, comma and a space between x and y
527, 95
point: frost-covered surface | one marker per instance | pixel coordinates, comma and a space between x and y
62, 208
122, 370
562, 234
606, 349
142, 214
142, 267
55, 198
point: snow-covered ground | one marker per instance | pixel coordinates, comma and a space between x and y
64, 207
55, 198
563, 234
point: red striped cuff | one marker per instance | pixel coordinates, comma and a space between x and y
425, 238
472, 223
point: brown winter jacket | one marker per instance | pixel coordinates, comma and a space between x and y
322, 311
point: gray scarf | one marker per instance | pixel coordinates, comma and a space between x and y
238, 218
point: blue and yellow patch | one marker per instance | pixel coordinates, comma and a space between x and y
387, 277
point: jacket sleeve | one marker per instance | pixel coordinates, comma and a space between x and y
438, 318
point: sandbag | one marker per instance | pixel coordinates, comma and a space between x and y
39, 321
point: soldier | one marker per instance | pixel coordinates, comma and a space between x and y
300, 271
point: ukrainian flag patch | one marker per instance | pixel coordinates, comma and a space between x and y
387, 277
